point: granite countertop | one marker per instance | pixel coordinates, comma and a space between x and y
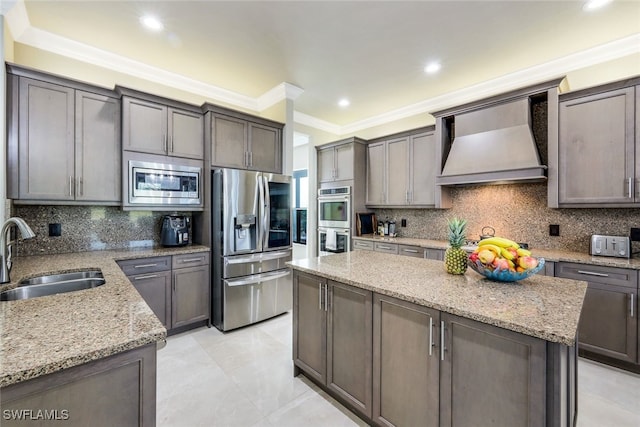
43, 335
548, 255
540, 306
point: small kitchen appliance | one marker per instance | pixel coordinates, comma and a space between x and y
613, 246
175, 230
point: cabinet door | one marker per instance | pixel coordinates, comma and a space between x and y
422, 169
405, 363
190, 299
144, 126
597, 141
349, 348
326, 165
397, 172
376, 174
186, 134
155, 289
46, 159
436, 254
490, 376
310, 325
229, 145
97, 148
344, 162
265, 148
608, 322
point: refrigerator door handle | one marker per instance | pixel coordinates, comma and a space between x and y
260, 211
257, 257
257, 278
266, 217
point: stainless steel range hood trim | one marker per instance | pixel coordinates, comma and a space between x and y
493, 145
524, 175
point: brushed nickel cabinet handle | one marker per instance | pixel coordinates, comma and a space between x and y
320, 296
326, 297
593, 273
144, 265
632, 298
164, 143
442, 329
629, 188
70, 185
148, 276
413, 251
192, 259
431, 344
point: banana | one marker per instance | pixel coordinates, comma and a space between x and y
493, 248
499, 241
523, 252
507, 254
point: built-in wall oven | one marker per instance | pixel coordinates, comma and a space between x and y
334, 207
333, 240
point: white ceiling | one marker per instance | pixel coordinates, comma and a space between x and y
372, 52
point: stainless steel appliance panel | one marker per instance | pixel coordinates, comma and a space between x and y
242, 199
343, 241
153, 183
245, 265
277, 212
258, 297
334, 207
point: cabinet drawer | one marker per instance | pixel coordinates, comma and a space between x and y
363, 244
597, 274
414, 251
191, 260
390, 248
145, 265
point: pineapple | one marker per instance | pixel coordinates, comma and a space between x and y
455, 259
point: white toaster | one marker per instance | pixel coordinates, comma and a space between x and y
615, 246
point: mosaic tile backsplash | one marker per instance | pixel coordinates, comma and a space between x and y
87, 228
518, 212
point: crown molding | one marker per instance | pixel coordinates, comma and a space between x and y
22, 32
278, 93
316, 123
528, 76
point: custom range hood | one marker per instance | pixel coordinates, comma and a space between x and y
493, 145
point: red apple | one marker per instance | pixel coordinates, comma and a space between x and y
486, 256
527, 262
501, 264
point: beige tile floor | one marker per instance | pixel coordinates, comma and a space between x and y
245, 378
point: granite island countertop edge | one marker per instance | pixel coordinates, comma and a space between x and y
39, 338
543, 307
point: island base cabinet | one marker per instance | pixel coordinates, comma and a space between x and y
405, 363
119, 390
332, 338
490, 376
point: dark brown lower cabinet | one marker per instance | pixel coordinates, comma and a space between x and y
332, 338
609, 320
397, 363
119, 390
405, 363
490, 376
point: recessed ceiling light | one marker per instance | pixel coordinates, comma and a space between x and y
344, 102
152, 23
432, 68
595, 4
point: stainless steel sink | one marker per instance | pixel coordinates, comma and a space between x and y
54, 284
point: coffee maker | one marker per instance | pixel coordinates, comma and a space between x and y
175, 230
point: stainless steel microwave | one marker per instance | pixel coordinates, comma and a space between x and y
164, 184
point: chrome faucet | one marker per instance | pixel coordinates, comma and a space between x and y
25, 231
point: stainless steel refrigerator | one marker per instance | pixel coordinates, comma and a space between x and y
251, 242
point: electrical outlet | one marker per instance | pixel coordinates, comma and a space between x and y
554, 230
55, 230
403, 222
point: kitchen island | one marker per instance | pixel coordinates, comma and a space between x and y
399, 341
70, 353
